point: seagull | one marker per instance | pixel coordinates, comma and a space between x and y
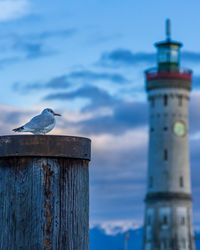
40, 124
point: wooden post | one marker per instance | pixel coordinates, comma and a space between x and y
44, 192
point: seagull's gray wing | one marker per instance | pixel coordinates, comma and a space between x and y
39, 122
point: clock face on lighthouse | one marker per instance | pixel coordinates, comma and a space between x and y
179, 128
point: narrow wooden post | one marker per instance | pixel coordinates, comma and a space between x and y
44, 192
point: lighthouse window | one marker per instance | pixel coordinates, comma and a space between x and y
152, 102
168, 55
165, 155
180, 100
151, 182
182, 220
149, 220
163, 244
165, 221
183, 244
165, 100
181, 181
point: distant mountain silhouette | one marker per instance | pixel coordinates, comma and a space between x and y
99, 240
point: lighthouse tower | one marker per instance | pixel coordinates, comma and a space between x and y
168, 216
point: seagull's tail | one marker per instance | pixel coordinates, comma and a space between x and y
20, 129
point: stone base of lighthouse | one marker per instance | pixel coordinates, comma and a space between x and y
168, 220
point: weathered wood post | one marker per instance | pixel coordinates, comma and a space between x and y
44, 192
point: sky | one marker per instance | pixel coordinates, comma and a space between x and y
86, 60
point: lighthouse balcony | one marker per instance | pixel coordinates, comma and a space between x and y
154, 73
168, 79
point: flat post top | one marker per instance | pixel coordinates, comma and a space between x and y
45, 146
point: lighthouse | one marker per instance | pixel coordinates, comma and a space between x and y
168, 211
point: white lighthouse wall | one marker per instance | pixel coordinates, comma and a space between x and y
166, 169
168, 172
149, 225
183, 226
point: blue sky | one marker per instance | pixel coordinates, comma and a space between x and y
86, 60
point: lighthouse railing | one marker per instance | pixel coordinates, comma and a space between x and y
154, 73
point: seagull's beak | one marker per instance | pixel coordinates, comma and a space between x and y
56, 114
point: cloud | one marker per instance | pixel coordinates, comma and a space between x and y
65, 81
190, 56
117, 226
9, 60
39, 36
96, 76
194, 115
98, 38
30, 53
65, 33
124, 115
60, 82
32, 50
11, 117
98, 97
31, 45
194, 165
196, 82
124, 57
120, 194
13, 9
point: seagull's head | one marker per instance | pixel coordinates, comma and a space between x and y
50, 111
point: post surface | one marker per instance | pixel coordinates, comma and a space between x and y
44, 192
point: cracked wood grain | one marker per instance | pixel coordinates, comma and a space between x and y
44, 203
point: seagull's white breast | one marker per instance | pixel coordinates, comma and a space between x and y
50, 127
